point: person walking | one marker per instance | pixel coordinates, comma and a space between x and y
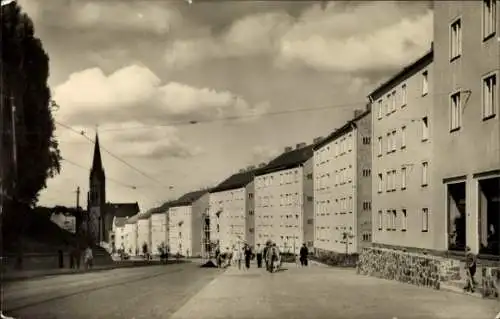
238, 257
248, 256
88, 258
259, 256
470, 269
304, 252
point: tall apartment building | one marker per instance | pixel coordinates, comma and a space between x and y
231, 211
467, 126
144, 232
284, 208
186, 223
159, 226
402, 162
342, 187
131, 245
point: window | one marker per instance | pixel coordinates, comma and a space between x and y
403, 178
250, 195
388, 104
380, 109
388, 186
379, 146
455, 112
349, 143
367, 172
309, 176
380, 182
489, 18
404, 95
380, 220
336, 149
393, 101
388, 224
394, 217
425, 83
489, 96
403, 137
250, 212
366, 140
425, 128
393, 175
425, 219
389, 143
393, 141
455, 39
404, 220
425, 166
309, 198
367, 205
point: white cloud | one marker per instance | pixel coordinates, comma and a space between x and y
368, 37
90, 97
157, 17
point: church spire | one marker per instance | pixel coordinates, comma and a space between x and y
97, 167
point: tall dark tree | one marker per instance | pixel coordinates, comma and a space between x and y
24, 73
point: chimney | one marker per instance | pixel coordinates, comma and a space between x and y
262, 165
242, 170
300, 145
358, 113
251, 167
317, 139
288, 149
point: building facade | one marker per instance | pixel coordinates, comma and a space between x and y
231, 211
284, 206
130, 236
342, 190
117, 239
186, 223
467, 126
144, 232
402, 161
159, 235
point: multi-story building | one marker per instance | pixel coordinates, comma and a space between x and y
144, 232
342, 190
402, 134
131, 245
466, 135
186, 223
231, 211
159, 234
118, 234
284, 208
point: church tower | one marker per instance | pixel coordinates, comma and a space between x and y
96, 198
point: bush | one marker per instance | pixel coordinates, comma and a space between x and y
336, 259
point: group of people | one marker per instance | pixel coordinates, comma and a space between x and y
269, 254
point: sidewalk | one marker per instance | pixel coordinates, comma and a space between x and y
324, 292
32, 274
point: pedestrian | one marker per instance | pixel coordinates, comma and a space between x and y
470, 269
259, 256
218, 257
304, 252
266, 252
248, 256
237, 256
88, 258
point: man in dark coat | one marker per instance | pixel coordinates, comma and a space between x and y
304, 252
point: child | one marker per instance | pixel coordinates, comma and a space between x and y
470, 270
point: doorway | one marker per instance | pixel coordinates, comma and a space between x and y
456, 212
489, 216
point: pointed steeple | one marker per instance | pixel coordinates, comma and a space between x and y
97, 167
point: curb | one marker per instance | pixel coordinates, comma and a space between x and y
5, 279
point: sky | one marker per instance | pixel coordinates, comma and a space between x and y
185, 95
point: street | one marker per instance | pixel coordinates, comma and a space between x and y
143, 292
185, 291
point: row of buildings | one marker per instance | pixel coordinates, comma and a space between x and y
417, 168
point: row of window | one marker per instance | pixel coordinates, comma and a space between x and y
391, 138
393, 220
391, 177
341, 147
489, 25
342, 176
285, 178
389, 104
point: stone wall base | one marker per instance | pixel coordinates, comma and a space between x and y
425, 270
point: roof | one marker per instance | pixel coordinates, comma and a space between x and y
188, 198
97, 167
235, 181
347, 127
402, 75
120, 221
288, 160
122, 209
145, 215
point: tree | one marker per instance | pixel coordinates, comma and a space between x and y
25, 70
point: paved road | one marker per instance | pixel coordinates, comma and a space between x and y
145, 292
187, 292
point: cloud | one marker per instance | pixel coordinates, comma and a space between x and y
157, 17
136, 93
367, 37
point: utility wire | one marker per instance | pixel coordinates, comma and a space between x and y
81, 133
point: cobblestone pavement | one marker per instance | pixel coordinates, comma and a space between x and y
323, 292
145, 292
